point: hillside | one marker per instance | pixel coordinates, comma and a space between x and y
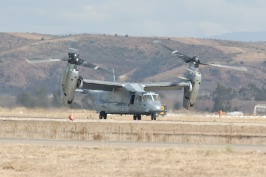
138, 57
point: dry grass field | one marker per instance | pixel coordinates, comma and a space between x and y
33, 159
60, 161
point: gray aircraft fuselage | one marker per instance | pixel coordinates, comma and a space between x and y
123, 102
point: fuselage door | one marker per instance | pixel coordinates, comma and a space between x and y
132, 98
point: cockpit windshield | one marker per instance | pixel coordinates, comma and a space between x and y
147, 97
151, 97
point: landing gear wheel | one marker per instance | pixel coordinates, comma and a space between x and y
102, 115
153, 117
136, 117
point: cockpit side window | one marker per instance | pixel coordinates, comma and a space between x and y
156, 97
139, 98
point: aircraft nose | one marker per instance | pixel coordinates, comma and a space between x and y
156, 108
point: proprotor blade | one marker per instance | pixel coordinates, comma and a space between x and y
166, 47
240, 68
42, 61
184, 57
196, 61
183, 78
73, 49
82, 62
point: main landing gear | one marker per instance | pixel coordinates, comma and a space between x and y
136, 116
102, 115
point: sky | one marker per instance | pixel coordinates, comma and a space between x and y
171, 18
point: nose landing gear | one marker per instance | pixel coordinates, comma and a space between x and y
153, 117
102, 115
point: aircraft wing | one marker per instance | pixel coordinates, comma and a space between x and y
111, 86
101, 85
133, 87
158, 86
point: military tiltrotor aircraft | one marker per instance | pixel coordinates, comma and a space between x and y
137, 99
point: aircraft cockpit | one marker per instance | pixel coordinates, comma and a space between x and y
150, 96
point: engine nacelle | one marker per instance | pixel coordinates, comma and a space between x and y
190, 95
69, 85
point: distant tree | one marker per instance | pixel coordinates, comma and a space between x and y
75, 105
42, 39
207, 109
86, 102
222, 97
177, 106
260, 97
41, 96
203, 97
57, 100
249, 92
25, 99
244, 93
37, 99
235, 109
261, 94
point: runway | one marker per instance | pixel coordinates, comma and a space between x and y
127, 144
126, 121
123, 132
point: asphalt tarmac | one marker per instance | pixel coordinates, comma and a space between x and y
137, 122
128, 144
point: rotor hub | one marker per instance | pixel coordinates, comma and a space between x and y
73, 57
195, 59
